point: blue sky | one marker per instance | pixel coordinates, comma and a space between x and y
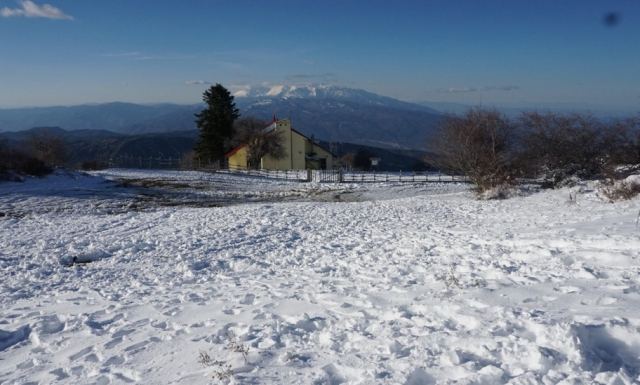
511, 52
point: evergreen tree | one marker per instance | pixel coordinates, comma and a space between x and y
215, 123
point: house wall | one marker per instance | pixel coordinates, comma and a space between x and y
294, 145
239, 159
298, 149
322, 153
283, 128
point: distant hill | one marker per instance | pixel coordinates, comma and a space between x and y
118, 117
86, 145
324, 112
83, 145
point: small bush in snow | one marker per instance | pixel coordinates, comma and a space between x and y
502, 191
237, 347
222, 370
621, 190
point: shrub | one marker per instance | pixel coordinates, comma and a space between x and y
33, 166
48, 147
362, 160
560, 148
478, 145
14, 162
621, 190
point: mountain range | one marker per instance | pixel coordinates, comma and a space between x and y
329, 113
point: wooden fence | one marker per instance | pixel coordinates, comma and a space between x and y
400, 177
291, 175
320, 176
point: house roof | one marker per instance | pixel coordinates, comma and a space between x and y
231, 152
313, 142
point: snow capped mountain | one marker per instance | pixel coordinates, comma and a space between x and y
341, 114
321, 91
286, 91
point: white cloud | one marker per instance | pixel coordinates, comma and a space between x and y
501, 88
197, 83
134, 55
463, 90
30, 9
122, 54
454, 90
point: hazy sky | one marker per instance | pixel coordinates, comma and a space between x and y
508, 52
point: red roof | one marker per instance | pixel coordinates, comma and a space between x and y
231, 152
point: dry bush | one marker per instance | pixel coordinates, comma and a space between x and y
478, 145
564, 147
222, 369
189, 161
362, 160
14, 162
621, 142
620, 190
347, 160
48, 147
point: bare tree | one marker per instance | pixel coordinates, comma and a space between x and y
14, 162
561, 146
48, 147
477, 145
259, 140
347, 160
621, 140
188, 161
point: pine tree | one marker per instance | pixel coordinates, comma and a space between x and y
215, 123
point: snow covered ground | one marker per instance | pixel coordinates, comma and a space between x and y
312, 284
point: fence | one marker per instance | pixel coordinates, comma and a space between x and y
343, 176
291, 175
320, 176
400, 177
152, 162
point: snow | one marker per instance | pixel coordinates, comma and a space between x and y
633, 180
389, 283
275, 90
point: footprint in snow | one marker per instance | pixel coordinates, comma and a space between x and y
568, 289
248, 299
49, 325
114, 361
137, 347
112, 343
172, 312
60, 374
81, 353
606, 300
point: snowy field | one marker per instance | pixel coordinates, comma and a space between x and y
192, 278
